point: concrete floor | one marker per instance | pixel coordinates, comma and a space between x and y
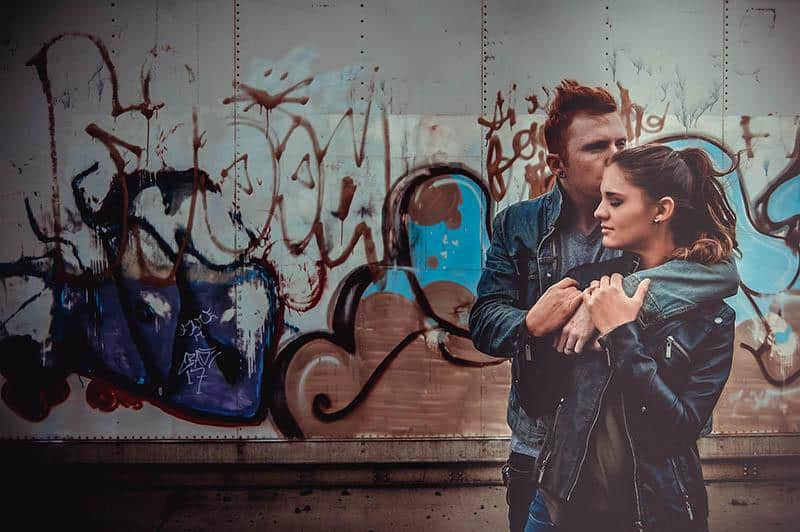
763, 506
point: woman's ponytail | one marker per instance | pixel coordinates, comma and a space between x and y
716, 220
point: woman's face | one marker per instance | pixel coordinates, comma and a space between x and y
625, 212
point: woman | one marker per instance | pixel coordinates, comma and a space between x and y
622, 452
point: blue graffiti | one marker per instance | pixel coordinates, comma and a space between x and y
179, 344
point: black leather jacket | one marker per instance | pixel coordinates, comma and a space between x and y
671, 375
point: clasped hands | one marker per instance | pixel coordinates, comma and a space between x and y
582, 316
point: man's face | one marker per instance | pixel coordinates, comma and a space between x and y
591, 140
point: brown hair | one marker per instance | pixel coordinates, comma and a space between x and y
704, 224
572, 98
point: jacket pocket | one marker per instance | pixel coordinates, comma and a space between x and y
682, 487
673, 347
674, 362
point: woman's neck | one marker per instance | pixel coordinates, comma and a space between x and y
657, 251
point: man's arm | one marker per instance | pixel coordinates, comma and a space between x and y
500, 320
496, 321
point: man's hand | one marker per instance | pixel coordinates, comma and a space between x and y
578, 332
608, 304
554, 308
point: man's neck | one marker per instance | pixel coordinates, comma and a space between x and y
580, 213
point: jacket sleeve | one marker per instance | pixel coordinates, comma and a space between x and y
496, 321
678, 285
683, 414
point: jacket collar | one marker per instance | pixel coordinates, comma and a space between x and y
552, 206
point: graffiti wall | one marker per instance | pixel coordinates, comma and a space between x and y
266, 220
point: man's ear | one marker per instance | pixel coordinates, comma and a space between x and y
554, 163
665, 209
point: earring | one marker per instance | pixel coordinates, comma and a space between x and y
656, 220
561, 174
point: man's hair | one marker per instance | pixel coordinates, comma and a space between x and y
572, 98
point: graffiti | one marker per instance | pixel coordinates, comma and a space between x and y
524, 139
195, 365
426, 208
266, 102
767, 356
748, 136
527, 143
654, 123
193, 327
155, 325
295, 280
776, 207
124, 324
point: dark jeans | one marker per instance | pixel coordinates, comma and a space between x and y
539, 521
519, 476
539, 518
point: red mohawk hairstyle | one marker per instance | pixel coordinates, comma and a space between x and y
572, 98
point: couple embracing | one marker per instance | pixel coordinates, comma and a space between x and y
607, 293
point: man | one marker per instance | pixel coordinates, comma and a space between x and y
524, 312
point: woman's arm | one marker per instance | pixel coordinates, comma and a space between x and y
680, 285
681, 414
677, 286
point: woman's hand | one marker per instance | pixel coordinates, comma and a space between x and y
608, 304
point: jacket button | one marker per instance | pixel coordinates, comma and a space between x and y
549, 274
644, 409
717, 320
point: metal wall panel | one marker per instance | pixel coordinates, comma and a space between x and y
336, 165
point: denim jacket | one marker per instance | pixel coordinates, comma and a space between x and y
520, 265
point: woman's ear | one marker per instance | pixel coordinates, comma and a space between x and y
665, 209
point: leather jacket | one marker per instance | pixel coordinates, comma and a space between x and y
520, 265
670, 374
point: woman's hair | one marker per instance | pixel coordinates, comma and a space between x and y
570, 99
704, 224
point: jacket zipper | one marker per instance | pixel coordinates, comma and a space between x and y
679, 479
541, 280
550, 441
670, 342
539, 254
638, 524
591, 428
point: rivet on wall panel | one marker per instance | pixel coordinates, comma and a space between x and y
607, 23
484, 54
113, 21
363, 50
